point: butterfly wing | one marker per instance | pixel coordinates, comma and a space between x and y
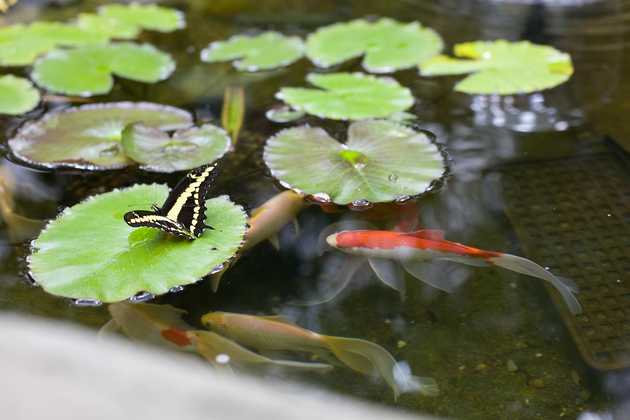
145, 218
186, 203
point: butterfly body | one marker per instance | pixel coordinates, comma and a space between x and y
183, 213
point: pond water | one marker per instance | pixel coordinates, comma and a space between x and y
497, 346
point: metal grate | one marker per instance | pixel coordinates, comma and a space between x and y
573, 216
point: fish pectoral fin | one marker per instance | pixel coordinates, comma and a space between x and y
432, 234
110, 327
275, 242
390, 273
415, 268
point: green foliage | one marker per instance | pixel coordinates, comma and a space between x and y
502, 67
88, 137
89, 252
17, 95
88, 71
189, 148
382, 161
266, 51
348, 96
387, 45
20, 45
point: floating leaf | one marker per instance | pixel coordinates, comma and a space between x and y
108, 26
348, 96
502, 67
87, 71
17, 95
266, 51
387, 45
89, 252
88, 136
283, 114
185, 149
150, 16
382, 161
20, 45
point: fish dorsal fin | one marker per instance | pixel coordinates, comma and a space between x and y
276, 318
432, 234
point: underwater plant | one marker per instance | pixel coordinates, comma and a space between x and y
90, 254
348, 96
382, 161
89, 136
497, 67
87, 71
265, 51
17, 95
386, 44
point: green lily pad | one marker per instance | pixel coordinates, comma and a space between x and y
283, 114
382, 161
502, 67
387, 45
17, 95
348, 96
108, 26
20, 45
189, 148
89, 253
87, 71
149, 16
88, 136
266, 51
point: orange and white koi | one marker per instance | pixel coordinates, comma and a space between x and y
274, 333
412, 248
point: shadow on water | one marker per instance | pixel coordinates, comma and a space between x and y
496, 346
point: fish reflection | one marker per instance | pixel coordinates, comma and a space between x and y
274, 333
163, 325
385, 249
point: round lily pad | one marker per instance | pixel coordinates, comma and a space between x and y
17, 95
387, 45
88, 252
108, 26
87, 71
266, 51
189, 148
145, 16
382, 161
502, 67
345, 96
88, 136
20, 45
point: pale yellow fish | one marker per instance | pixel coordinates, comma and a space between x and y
19, 228
265, 223
5, 4
273, 333
163, 325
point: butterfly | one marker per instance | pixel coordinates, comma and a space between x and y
184, 212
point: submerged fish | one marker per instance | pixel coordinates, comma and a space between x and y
274, 333
412, 248
163, 325
265, 223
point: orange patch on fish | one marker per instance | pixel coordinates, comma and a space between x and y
177, 337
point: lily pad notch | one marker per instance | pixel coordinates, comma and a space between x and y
502, 67
89, 253
382, 161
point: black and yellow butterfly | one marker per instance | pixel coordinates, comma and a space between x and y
184, 212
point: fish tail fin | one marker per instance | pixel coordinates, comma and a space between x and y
567, 288
444, 283
369, 358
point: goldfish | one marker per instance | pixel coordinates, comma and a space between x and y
274, 333
265, 222
412, 248
163, 325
